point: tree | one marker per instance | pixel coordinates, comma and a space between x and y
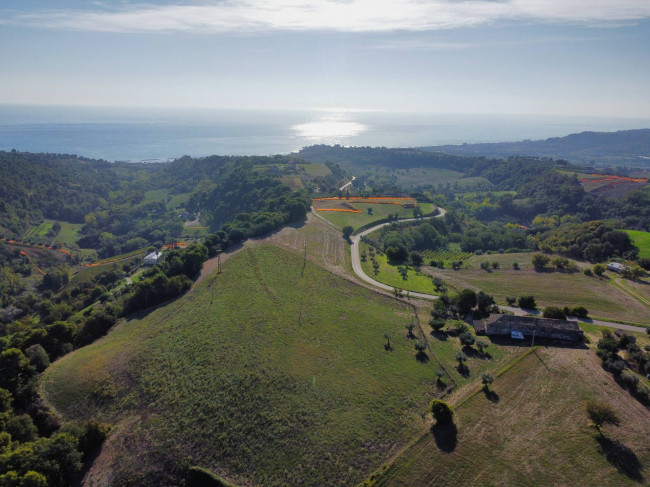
482, 345
409, 330
484, 301
466, 300
416, 259
540, 261
347, 231
369, 210
601, 413
467, 339
33, 479
441, 411
511, 300
527, 302
554, 312
487, 379
437, 323
599, 269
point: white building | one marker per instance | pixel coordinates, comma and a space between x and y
615, 267
153, 258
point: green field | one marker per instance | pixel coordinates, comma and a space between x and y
379, 212
155, 195
534, 431
67, 236
287, 382
641, 240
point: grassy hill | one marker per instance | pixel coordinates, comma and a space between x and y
259, 374
534, 431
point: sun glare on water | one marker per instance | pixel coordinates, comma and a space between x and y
329, 127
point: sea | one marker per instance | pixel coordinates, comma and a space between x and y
164, 134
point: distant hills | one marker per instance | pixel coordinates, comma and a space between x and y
622, 148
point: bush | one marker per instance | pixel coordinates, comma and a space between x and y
599, 269
540, 260
441, 411
511, 300
527, 302
579, 311
554, 312
588, 272
347, 231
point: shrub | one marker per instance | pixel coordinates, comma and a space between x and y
527, 302
579, 311
554, 312
601, 413
347, 231
511, 300
515, 266
441, 411
588, 272
540, 260
599, 269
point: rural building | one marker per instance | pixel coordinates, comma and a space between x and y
508, 325
153, 258
615, 267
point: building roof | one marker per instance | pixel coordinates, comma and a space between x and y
526, 322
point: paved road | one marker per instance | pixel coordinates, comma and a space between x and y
358, 270
356, 259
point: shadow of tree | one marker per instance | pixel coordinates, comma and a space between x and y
445, 436
622, 457
491, 395
440, 335
463, 370
422, 357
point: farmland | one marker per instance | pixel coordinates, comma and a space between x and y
533, 431
67, 236
599, 295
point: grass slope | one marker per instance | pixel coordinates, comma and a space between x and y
260, 375
536, 433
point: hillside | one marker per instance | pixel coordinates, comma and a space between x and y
259, 374
622, 148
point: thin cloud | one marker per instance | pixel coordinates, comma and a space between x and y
322, 15
436, 45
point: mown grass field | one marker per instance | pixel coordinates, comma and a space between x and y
379, 212
260, 375
534, 432
601, 297
641, 240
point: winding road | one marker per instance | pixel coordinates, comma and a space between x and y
358, 270
356, 259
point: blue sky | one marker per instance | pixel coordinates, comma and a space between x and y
549, 57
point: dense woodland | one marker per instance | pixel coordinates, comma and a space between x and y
46, 314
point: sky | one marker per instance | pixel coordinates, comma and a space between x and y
545, 57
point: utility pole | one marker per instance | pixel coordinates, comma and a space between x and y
532, 344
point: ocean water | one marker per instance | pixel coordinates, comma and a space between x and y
146, 134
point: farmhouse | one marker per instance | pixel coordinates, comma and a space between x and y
152, 258
527, 326
615, 267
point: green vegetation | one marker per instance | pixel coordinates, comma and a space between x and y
294, 368
642, 241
